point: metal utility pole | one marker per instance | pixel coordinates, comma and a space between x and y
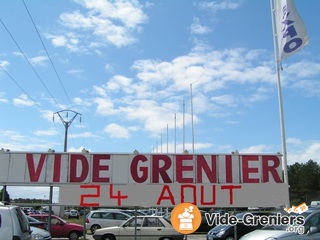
192, 127
66, 124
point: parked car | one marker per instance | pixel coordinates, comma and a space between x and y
39, 234
105, 218
146, 227
84, 211
66, 213
60, 228
227, 232
73, 214
132, 212
310, 230
13, 223
33, 222
204, 227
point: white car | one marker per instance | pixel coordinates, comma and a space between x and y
66, 213
13, 223
39, 234
145, 227
73, 214
104, 218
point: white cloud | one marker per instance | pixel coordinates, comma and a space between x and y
47, 114
23, 100
40, 60
106, 22
49, 132
104, 106
197, 28
4, 64
256, 149
83, 135
76, 72
119, 82
116, 131
219, 5
81, 102
59, 41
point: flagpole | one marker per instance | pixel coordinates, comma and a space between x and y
277, 62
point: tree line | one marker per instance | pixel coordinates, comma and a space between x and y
304, 181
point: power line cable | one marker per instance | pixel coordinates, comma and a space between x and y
53, 66
19, 86
28, 95
24, 55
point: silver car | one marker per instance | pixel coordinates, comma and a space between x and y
39, 234
310, 230
105, 218
145, 228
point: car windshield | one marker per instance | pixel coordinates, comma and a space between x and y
132, 222
31, 219
167, 220
55, 220
240, 215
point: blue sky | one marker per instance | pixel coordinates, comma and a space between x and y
127, 66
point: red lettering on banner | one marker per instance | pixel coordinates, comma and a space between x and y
246, 170
153, 169
34, 173
97, 167
180, 168
95, 195
170, 196
230, 188
57, 168
157, 170
119, 197
134, 169
213, 202
194, 193
229, 169
74, 160
202, 165
266, 168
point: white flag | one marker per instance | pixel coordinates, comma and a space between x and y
291, 31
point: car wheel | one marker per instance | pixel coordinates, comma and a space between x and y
94, 228
74, 235
230, 238
108, 237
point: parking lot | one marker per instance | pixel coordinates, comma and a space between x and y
190, 237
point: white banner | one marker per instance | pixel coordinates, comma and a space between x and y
290, 29
104, 179
90, 168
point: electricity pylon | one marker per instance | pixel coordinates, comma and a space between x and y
66, 124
